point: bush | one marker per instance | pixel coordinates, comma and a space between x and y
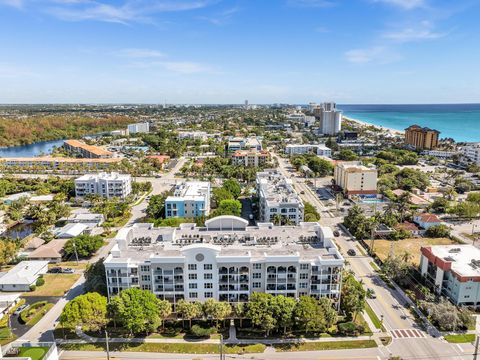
33, 287
350, 328
40, 282
199, 331
28, 313
438, 231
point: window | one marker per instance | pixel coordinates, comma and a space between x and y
192, 266
257, 275
193, 295
192, 286
257, 285
192, 276
303, 285
208, 295
273, 210
292, 216
284, 211
303, 276
208, 286
146, 287
257, 266
207, 266
303, 266
144, 268
207, 276
292, 210
145, 277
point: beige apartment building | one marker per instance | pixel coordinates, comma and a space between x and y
421, 138
250, 158
355, 178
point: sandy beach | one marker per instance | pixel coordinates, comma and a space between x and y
394, 132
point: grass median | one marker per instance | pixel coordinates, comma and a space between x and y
327, 345
371, 314
460, 338
181, 348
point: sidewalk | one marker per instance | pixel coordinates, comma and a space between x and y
85, 339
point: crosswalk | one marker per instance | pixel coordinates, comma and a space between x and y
407, 333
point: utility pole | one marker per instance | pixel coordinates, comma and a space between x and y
221, 347
475, 354
107, 347
75, 249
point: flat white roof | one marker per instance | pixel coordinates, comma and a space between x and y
461, 257
72, 230
104, 176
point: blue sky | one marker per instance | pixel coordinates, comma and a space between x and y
225, 51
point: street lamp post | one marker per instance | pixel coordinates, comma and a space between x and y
107, 347
221, 347
75, 249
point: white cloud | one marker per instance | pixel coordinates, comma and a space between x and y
311, 3
422, 32
14, 3
405, 4
411, 34
377, 54
185, 67
139, 53
124, 12
222, 17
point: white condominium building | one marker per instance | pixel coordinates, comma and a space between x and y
249, 158
453, 271
471, 151
104, 184
195, 135
277, 197
299, 149
191, 199
248, 143
355, 178
226, 260
139, 128
301, 118
330, 118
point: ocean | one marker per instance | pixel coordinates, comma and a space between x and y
458, 121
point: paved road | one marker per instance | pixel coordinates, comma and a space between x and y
410, 344
357, 354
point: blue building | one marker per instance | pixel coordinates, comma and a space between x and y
190, 199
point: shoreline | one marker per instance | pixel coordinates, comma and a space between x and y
394, 132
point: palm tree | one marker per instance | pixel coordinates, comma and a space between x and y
277, 219
406, 257
402, 203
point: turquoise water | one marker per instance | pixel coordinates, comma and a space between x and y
459, 121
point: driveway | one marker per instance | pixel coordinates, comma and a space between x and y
20, 329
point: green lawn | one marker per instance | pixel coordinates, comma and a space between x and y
360, 248
329, 345
371, 314
183, 348
460, 338
35, 353
55, 285
374, 266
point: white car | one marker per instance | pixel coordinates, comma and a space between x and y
20, 309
